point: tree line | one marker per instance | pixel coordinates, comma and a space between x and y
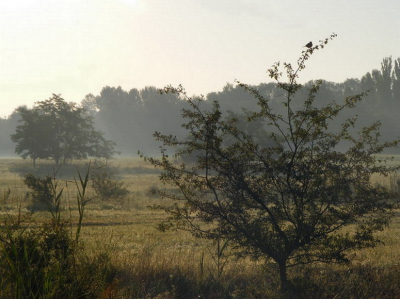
130, 118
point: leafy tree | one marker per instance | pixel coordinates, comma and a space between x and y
385, 86
131, 117
162, 109
7, 127
367, 84
370, 103
351, 86
383, 82
55, 129
30, 136
256, 128
396, 80
233, 98
120, 116
298, 201
90, 105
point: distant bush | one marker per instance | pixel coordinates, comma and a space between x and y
153, 191
43, 194
106, 185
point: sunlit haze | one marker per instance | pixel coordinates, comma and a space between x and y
76, 47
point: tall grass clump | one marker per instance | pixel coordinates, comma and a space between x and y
46, 260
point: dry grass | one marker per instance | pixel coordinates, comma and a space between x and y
153, 264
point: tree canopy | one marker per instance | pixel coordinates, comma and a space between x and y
55, 129
297, 200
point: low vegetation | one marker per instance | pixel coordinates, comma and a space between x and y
106, 184
121, 254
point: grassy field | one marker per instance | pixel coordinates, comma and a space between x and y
144, 262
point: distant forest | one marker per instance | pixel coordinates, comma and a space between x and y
130, 118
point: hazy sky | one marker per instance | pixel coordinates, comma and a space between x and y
76, 47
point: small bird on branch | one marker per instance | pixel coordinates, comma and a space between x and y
309, 45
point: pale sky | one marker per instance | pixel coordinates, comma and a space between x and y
76, 47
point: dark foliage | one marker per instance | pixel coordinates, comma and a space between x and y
106, 184
294, 201
43, 192
55, 129
41, 263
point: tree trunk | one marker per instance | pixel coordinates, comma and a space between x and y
283, 275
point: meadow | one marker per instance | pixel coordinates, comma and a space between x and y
124, 255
